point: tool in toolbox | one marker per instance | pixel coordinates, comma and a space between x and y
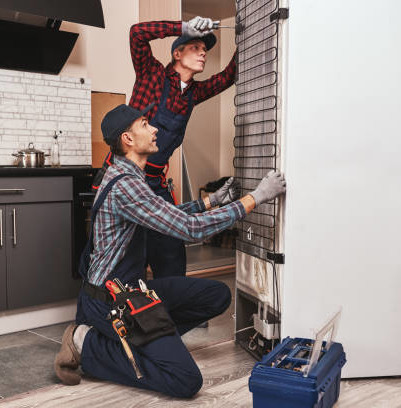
116, 287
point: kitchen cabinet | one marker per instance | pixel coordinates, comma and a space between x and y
2, 259
36, 255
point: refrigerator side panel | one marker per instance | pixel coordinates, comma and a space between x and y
342, 164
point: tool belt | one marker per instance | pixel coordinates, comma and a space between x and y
136, 314
96, 292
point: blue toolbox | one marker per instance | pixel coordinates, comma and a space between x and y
298, 373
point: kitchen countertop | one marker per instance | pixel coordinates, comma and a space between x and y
47, 171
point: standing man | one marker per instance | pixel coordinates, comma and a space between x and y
174, 92
125, 210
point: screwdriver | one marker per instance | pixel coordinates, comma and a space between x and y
217, 25
238, 27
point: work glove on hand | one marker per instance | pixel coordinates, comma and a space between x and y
198, 26
230, 192
269, 188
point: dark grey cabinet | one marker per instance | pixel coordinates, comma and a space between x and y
36, 257
3, 258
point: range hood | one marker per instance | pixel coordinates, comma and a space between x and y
30, 39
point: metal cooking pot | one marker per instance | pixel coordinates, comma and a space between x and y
30, 157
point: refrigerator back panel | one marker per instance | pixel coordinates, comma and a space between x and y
256, 121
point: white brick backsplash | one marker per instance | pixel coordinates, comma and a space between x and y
33, 106
12, 124
8, 145
72, 93
8, 107
11, 87
42, 124
4, 115
12, 132
17, 96
6, 101
6, 72
74, 126
38, 98
33, 76
41, 90
71, 112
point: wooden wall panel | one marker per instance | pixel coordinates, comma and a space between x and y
102, 102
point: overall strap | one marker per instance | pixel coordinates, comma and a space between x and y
85, 256
190, 102
103, 195
165, 92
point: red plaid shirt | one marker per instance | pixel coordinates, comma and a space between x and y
150, 72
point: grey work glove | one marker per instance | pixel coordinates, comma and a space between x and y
230, 192
198, 27
269, 188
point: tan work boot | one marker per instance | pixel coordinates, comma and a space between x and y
68, 359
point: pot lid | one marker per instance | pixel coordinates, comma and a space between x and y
30, 149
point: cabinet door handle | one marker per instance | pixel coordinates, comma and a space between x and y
12, 190
14, 227
1, 228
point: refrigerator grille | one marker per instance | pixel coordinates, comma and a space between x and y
255, 122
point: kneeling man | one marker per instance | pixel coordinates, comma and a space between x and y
125, 207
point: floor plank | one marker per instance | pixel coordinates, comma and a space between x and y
370, 393
225, 368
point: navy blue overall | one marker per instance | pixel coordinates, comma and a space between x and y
166, 255
166, 364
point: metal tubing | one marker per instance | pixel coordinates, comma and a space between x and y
255, 121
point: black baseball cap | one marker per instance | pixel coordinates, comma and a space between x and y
209, 40
118, 119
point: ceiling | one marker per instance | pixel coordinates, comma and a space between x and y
215, 9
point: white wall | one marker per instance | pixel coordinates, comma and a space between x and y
227, 108
103, 55
343, 150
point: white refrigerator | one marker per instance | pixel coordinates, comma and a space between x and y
339, 117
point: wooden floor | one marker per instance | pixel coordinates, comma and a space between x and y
225, 368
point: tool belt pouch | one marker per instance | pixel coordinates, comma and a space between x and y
145, 318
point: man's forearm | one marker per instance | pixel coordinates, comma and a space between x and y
141, 34
145, 32
247, 201
206, 201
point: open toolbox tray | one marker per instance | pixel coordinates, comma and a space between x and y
295, 355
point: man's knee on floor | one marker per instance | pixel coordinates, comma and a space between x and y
221, 297
188, 385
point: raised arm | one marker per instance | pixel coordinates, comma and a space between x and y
216, 83
140, 35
